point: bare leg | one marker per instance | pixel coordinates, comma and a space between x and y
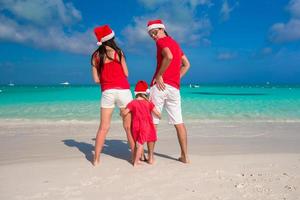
127, 128
150, 152
150, 146
143, 157
106, 114
182, 138
138, 154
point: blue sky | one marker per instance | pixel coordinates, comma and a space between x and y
226, 41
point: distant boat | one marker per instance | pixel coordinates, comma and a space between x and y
194, 86
65, 83
11, 84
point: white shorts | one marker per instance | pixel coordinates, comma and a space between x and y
170, 98
120, 97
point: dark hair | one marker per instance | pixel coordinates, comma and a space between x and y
101, 52
144, 96
166, 32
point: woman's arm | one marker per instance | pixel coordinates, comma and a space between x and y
95, 74
185, 66
124, 65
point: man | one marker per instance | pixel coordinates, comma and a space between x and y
172, 65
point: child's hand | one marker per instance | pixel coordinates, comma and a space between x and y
123, 113
157, 113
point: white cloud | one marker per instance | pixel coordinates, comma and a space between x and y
290, 31
294, 8
41, 23
266, 50
179, 18
152, 4
226, 56
226, 9
42, 12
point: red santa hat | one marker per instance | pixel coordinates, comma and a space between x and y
153, 24
141, 87
103, 33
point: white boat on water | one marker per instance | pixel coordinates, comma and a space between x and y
194, 86
65, 83
11, 84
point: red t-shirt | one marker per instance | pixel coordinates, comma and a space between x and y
112, 75
143, 129
172, 74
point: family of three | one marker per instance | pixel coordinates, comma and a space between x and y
141, 115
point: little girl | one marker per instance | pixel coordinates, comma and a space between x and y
143, 129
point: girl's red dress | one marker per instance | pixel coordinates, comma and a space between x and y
143, 129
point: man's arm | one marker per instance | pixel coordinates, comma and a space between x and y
185, 66
167, 58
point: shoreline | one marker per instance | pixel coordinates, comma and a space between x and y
117, 121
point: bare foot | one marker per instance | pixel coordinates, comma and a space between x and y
184, 159
150, 161
143, 158
137, 163
95, 161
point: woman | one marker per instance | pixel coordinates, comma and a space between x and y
110, 70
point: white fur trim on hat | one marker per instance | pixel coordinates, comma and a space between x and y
106, 38
147, 92
154, 26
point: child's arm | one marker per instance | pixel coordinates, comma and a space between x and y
156, 112
124, 112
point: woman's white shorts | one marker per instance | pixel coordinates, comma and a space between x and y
112, 97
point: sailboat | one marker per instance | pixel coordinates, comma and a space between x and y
194, 86
11, 84
65, 83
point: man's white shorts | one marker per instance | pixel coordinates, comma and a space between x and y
169, 98
120, 97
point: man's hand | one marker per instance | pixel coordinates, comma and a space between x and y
160, 82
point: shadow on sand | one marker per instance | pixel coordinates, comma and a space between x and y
115, 148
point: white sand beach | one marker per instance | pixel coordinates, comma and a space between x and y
229, 160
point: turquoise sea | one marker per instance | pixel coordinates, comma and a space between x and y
207, 102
